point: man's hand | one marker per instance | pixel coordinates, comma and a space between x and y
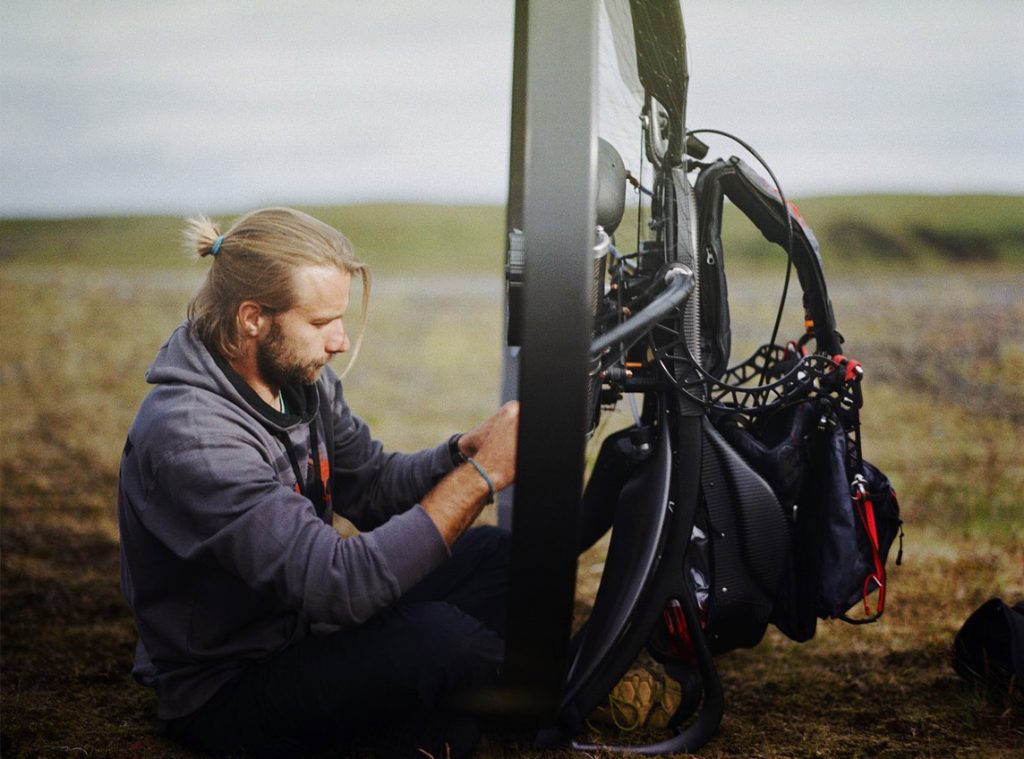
458, 499
493, 445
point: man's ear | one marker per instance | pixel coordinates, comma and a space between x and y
251, 318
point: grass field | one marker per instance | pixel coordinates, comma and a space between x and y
926, 291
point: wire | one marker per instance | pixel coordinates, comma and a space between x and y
639, 196
788, 389
786, 212
635, 181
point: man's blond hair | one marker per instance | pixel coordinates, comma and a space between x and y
256, 259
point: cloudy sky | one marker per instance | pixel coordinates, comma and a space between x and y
110, 106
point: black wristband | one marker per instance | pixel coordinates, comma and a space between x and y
458, 457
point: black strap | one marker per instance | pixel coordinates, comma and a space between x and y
319, 496
329, 446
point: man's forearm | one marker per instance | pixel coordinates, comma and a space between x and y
456, 501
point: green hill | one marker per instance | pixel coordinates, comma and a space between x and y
903, 229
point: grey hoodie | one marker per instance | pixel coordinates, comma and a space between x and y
223, 561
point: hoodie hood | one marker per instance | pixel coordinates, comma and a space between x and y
184, 360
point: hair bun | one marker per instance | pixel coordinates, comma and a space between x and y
200, 236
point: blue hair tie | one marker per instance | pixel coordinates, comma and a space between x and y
216, 245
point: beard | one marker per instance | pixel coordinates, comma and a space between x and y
280, 365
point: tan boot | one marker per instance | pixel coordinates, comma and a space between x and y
642, 698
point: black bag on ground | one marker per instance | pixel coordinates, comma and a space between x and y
989, 649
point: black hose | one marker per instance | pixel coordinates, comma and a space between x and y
680, 285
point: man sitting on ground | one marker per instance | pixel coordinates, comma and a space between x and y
263, 631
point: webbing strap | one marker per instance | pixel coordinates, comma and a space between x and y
320, 497
866, 511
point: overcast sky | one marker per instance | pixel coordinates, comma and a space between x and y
111, 106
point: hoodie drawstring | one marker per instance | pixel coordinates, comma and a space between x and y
319, 497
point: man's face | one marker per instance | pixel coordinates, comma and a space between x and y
302, 339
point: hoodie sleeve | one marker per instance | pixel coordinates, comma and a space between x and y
369, 484
219, 501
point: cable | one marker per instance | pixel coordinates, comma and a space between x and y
639, 196
786, 212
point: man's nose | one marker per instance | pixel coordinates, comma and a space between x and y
338, 341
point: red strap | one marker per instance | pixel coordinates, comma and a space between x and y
679, 640
854, 369
795, 350
866, 511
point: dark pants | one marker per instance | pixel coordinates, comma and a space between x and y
383, 684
